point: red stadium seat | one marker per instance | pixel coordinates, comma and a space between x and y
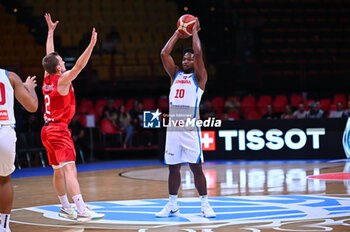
296, 99
234, 115
163, 104
118, 103
248, 103
149, 104
263, 101
279, 102
340, 98
107, 127
84, 106
325, 104
252, 115
100, 105
218, 102
129, 104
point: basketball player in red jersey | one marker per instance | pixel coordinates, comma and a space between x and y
185, 146
11, 86
59, 110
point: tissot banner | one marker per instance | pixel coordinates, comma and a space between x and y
277, 139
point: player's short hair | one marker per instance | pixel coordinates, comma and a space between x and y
50, 62
187, 50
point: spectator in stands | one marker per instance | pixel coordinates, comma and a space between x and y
208, 110
287, 113
124, 122
110, 113
110, 44
270, 114
300, 113
30, 131
78, 136
226, 117
318, 108
346, 112
337, 113
78, 132
314, 112
232, 105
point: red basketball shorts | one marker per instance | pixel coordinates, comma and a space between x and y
57, 140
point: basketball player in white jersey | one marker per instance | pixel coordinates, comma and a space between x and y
187, 87
11, 86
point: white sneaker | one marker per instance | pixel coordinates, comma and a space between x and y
207, 211
68, 213
88, 215
169, 210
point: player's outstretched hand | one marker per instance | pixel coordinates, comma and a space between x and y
93, 37
50, 24
30, 82
196, 26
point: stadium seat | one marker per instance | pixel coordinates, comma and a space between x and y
163, 104
252, 115
263, 101
248, 103
341, 98
84, 106
325, 104
129, 104
234, 115
149, 104
118, 103
279, 102
107, 127
295, 99
307, 102
100, 105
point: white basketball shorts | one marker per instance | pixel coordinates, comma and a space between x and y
7, 150
183, 147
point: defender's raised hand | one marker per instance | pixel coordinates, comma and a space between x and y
93, 37
50, 24
30, 82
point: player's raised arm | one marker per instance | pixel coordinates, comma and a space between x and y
69, 76
199, 67
168, 62
51, 28
25, 92
50, 47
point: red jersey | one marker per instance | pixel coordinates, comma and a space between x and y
58, 108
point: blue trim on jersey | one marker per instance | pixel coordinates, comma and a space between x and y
175, 77
6, 73
200, 146
195, 107
194, 81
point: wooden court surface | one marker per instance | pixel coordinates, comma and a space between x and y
150, 182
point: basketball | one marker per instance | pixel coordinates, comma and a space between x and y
185, 24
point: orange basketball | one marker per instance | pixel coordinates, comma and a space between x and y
185, 25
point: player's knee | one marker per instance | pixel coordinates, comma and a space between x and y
5, 179
70, 169
173, 169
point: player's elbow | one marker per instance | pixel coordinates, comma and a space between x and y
33, 106
33, 109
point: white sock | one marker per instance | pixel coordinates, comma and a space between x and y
5, 221
64, 201
173, 199
204, 199
79, 202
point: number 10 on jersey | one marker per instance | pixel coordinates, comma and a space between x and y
180, 93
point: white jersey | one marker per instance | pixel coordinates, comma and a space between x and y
184, 92
183, 144
7, 116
